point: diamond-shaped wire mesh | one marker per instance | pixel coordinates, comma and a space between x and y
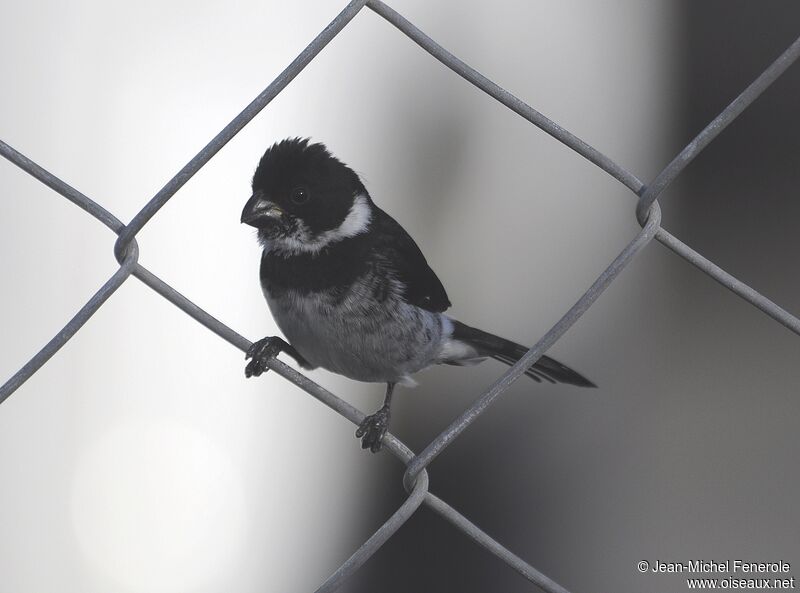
416, 477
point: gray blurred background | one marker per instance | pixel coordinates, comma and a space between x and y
139, 459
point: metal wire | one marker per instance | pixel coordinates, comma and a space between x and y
416, 476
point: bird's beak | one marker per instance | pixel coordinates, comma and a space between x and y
259, 210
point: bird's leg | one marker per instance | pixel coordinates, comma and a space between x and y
263, 351
374, 427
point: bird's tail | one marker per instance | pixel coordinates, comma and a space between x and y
508, 352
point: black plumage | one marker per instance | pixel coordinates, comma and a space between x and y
510, 352
349, 287
394, 248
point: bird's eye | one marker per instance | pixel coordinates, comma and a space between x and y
299, 195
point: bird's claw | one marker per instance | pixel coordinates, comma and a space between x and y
261, 353
373, 428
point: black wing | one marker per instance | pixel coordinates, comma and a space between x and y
397, 249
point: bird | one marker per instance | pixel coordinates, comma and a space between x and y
350, 289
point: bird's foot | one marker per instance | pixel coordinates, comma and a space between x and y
373, 429
261, 353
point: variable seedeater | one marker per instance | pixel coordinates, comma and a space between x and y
350, 289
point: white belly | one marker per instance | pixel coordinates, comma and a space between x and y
359, 337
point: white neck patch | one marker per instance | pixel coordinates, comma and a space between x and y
356, 222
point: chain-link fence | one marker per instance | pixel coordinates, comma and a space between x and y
416, 477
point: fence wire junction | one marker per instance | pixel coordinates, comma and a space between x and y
415, 479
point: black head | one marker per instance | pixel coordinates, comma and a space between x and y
304, 198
